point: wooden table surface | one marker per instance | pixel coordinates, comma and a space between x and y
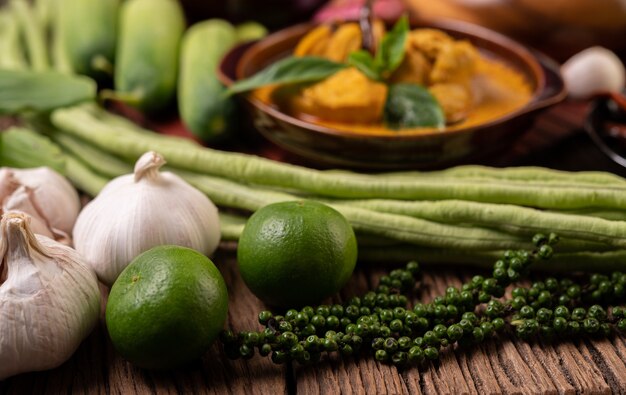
498, 366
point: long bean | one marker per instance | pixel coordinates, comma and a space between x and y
252, 169
11, 55
530, 174
33, 34
82, 176
508, 218
560, 262
106, 165
390, 226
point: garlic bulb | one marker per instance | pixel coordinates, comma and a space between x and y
594, 70
8, 183
136, 212
49, 299
53, 195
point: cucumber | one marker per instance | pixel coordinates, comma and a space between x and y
88, 32
146, 66
250, 31
202, 104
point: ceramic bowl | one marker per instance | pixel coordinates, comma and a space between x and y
328, 146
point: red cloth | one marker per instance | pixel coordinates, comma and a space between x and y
389, 10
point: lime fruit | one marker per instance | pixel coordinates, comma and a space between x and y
166, 308
296, 253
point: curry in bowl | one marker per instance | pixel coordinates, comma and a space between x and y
413, 81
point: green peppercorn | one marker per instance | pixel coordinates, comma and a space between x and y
362, 329
467, 298
544, 315
356, 341
285, 326
498, 324
430, 338
330, 345
527, 312
487, 328
573, 327
441, 311
332, 322
287, 339
478, 334
540, 239
545, 252
621, 325
597, 312
617, 312
279, 357
391, 344
431, 353
466, 326
413, 267
265, 350
578, 314
381, 355
318, 321
591, 325
346, 350
405, 342
454, 332
312, 343
297, 351
385, 331
264, 317
381, 290
290, 315
301, 320
352, 312
308, 311
396, 325
308, 330
399, 358
345, 321
415, 354
378, 343
562, 311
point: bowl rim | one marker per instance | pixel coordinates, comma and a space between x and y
540, 64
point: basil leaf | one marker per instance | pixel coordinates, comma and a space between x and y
410, 106
291, 70
41, 91
391, 51
366, 64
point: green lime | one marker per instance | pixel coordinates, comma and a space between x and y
166, 308
296, 253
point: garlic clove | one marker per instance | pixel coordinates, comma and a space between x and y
138, 211
49, 299
8, 183
592, 71
22, 201
56, 198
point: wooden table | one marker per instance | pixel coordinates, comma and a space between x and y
498, 366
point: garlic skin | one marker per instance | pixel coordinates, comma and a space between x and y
592, 71
54, 196
21, 200
136, 212
49, 299
8, 183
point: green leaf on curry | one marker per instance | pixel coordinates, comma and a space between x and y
391, 50
290, 70
366, 64
42, 91
411, 106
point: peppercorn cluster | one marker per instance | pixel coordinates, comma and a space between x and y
381, 324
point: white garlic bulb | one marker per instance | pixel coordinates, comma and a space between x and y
55, 198
49, 299
136, 212
594, 70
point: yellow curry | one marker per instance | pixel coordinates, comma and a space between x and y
471, 89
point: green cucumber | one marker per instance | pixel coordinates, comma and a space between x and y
250, 31
88, 31
202, 104
146, 66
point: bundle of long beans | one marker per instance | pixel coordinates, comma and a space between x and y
468, 214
